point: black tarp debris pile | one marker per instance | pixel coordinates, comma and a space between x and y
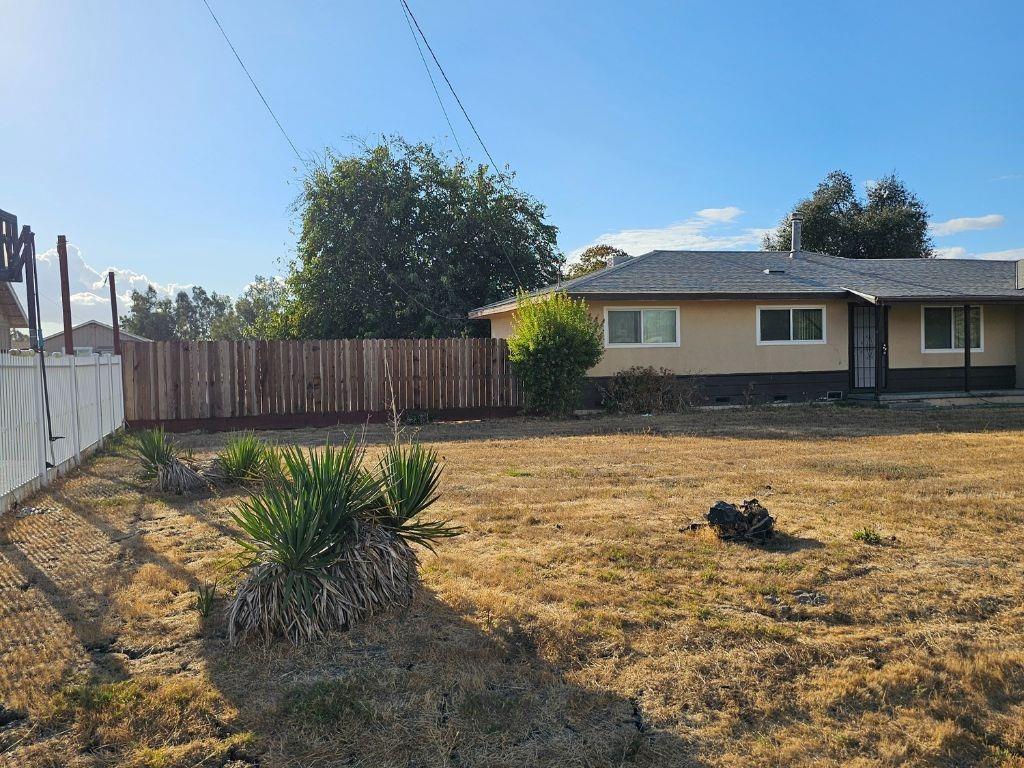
750, 521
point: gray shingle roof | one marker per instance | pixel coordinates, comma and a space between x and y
775, 274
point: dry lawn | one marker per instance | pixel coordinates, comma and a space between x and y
574, 624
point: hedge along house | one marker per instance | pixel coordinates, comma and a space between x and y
799, 325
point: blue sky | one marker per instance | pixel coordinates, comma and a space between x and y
687, 124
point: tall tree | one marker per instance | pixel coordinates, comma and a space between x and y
592, 259
150, 316
892, 223
399, 241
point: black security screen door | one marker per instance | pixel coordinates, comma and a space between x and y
864, 337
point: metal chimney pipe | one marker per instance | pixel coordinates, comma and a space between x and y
797, 221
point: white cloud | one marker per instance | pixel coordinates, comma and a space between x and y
709, 229
90, 296
957, 252
1009, 177
966, 224
720, 215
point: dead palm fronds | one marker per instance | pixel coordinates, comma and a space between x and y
329, 543
161, 462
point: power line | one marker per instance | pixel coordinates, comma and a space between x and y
440, 101
451, 88
258, 91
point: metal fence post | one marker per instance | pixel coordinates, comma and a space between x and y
75, 428
37, 379
99, 404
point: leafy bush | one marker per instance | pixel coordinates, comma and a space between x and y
328, 542
643, 390
869, 535
554, 342
162, 463
245, 459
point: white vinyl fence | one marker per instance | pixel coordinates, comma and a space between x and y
86, 405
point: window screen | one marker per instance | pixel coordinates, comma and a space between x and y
659, 326
642, 326
774, 325
624, 326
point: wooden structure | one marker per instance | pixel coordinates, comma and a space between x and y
265, 384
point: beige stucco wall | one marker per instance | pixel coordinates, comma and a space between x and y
5, 335
999, 337
718, 337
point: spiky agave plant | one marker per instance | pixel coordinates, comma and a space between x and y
315, 562
245, 459
161, 462
409, 477
330, 543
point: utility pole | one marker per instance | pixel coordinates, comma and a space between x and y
65, 294
27, 248
113, 313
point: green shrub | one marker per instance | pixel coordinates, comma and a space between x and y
328, 542
245, 459
869, 535
162, 463
554, 342
643, 389
206, 594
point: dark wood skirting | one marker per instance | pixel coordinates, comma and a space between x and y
739, 388
951, 379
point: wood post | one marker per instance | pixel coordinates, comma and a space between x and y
28, 253
968, 343
113, 313
65, 294
879, 349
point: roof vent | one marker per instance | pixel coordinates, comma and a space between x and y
619, 259
796, 221
774, 271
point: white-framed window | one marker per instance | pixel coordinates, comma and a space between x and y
641, 327
791, 325
942, 329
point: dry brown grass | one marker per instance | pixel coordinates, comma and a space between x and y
574, 624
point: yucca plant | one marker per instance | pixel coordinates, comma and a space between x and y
245, 459
409, 478
162, 463
329, 543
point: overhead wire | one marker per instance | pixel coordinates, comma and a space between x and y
430, 75
256, 87
501, 176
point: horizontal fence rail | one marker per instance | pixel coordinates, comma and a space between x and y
86, 404
287, 382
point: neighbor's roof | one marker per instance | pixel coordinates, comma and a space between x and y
10, 307
777, 275
124, 334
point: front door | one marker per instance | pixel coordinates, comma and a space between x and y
865, 336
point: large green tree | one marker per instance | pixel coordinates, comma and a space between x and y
200, 315
891, 223
592, 259
400, 241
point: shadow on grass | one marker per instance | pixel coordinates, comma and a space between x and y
427, 687
796, 422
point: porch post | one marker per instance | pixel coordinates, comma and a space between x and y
879, 359
967, 347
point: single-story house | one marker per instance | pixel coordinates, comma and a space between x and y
800, 325
92, 336
12, 315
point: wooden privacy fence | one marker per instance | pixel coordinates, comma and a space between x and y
189, 384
